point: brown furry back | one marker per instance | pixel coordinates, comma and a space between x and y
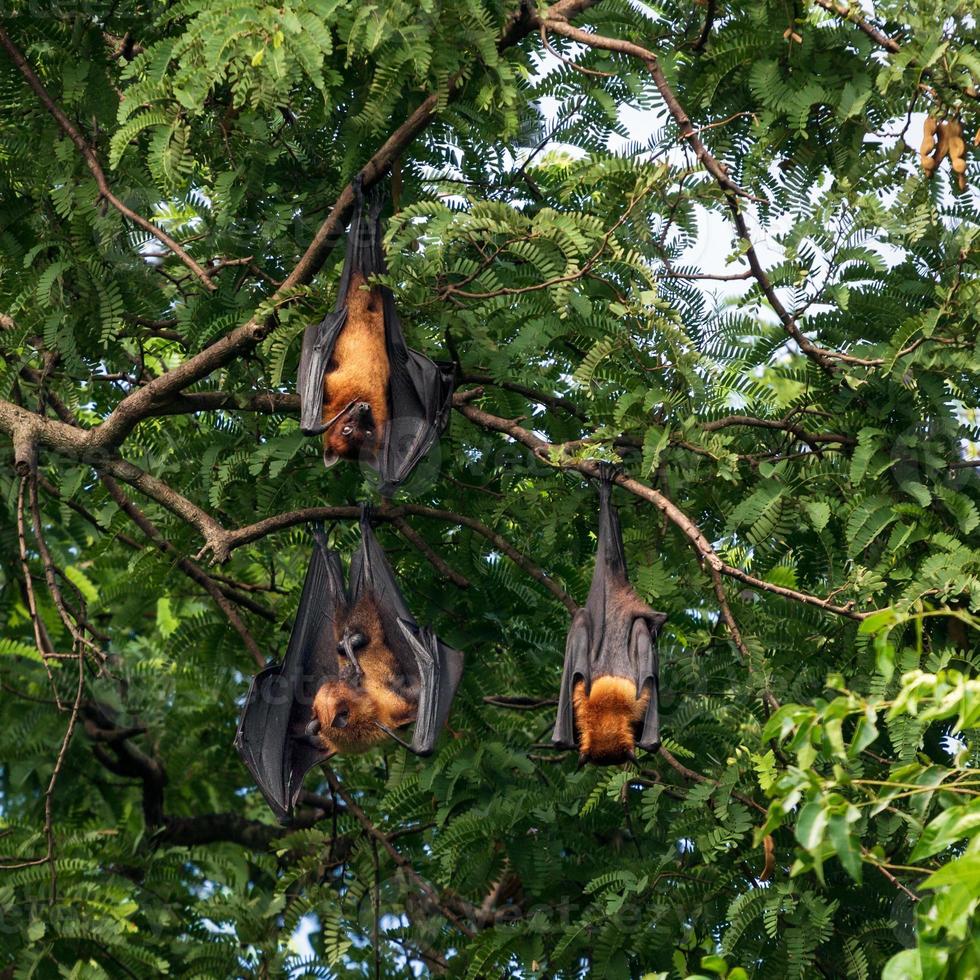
605, 718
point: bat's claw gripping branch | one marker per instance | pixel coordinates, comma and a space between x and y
217, 543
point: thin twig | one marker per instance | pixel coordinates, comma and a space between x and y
412, 536
844, 11
92, 162
427, 890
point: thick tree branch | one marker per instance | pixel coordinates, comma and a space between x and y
30, 431
230, 588
189, 568
139, 404
125, 759
253, 532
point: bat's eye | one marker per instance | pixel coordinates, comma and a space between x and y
347, 430
369, 433
340, 719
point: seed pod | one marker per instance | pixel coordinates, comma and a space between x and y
928, 145
957, 148
942, 144
961, 180
976, 139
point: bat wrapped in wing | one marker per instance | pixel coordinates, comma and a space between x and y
609, 699
371, 396
358, 667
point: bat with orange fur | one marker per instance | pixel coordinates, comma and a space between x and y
358, 667
608, 705
372, 398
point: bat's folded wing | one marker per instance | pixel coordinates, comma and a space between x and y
318, 344
577, 668
371, 572
643, 653
420, 393
440, 668
271, 737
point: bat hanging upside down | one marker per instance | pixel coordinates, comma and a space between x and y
358, 667
374, 399
608, 705
355, 383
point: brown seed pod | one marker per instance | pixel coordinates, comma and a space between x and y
928, 145
942, 144
976, 139
956, 145
957, 152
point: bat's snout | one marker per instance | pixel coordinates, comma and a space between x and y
361, 410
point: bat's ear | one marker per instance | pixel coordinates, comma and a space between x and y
330, 458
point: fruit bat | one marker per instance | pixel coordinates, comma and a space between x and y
357, 667
371, 397
608, 703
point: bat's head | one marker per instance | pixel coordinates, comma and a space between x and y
605, 720
365, 694
353, 435
345, 716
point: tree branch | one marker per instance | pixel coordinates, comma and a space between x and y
427, 890
189, 568
253, 532
92, 162
879, 37
412, 536
138, 404
546, 452
717, 170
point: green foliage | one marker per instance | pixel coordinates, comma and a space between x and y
815, 812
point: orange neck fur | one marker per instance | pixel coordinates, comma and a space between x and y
605, 718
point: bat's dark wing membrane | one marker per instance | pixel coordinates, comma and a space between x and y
318, 344
430, 667
643, 653
371, 572
271, 734
577, 667
420, 394
440, 668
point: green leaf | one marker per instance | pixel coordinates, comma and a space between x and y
905, 965
950, 826
964, 873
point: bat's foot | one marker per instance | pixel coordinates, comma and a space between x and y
217, 542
